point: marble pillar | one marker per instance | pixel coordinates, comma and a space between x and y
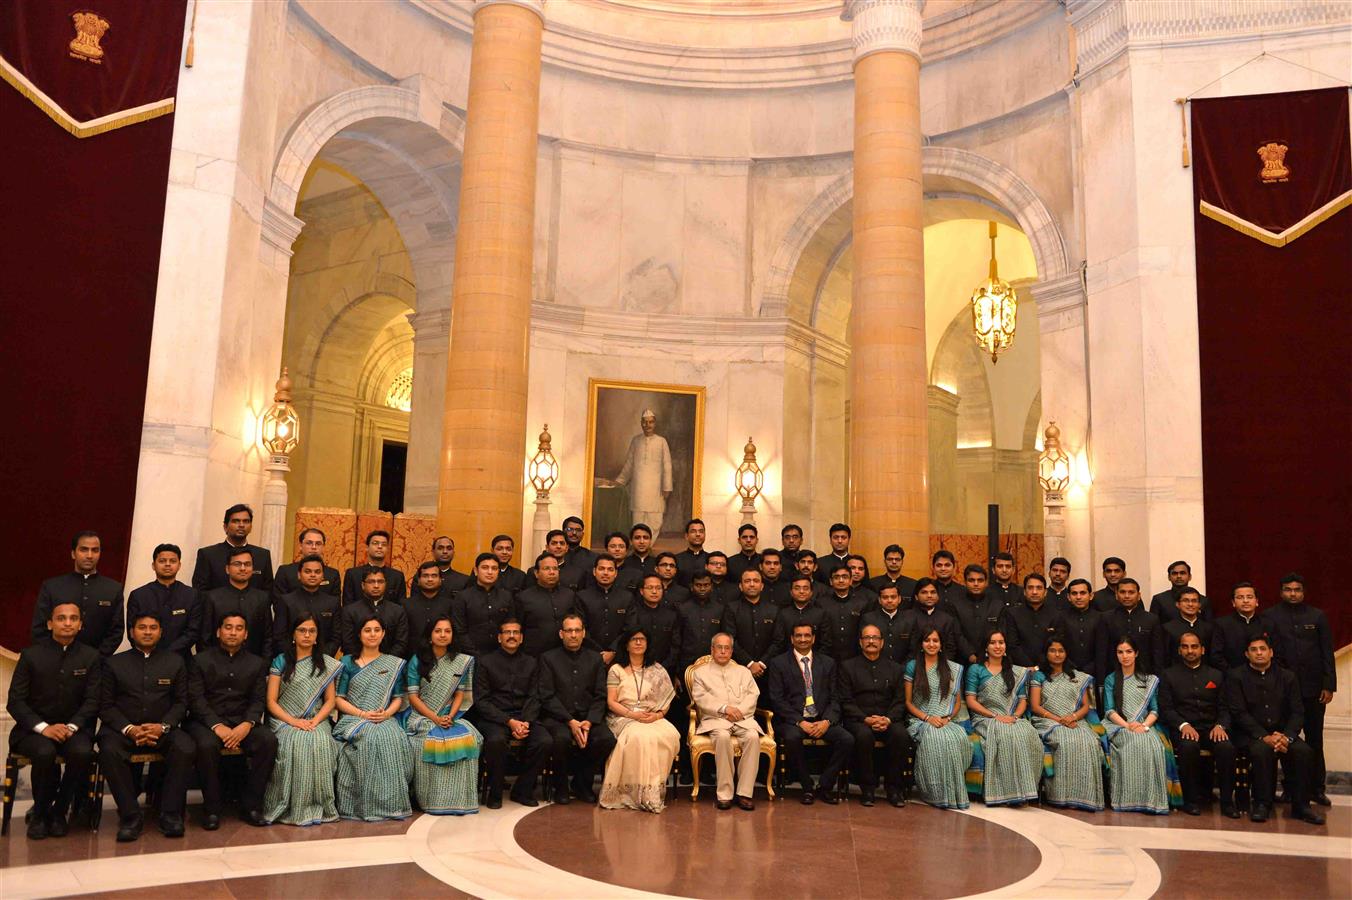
483, 448
889, 498
216, 339
431, 337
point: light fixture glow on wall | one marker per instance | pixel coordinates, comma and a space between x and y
995, 310
280, 431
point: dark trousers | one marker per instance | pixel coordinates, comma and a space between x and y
1313, 733
1297, 771
840, 741
535, 749
580, 762
260, 752
1190, 762
52, 789
115, 752
897, 744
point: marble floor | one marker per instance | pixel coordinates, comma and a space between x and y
782, 849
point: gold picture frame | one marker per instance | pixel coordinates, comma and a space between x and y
613, 412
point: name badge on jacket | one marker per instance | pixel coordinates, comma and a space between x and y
164, 681
76, 673
179, 612
105, 603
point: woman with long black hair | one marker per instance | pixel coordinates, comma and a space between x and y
301, 698
942, 749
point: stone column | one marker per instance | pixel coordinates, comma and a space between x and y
889, 499
483, 447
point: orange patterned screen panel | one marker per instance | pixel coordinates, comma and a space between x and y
367, 522
346, 530
971, 548
340, 532
413, 534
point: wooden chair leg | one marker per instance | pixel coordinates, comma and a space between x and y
694, 771
11, 782
96, 804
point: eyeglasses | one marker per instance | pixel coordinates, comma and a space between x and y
870, 638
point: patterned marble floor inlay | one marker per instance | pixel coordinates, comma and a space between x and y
782, 850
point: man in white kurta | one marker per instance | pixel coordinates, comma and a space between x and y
725, 694
647, 472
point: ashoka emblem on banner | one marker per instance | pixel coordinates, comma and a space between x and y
1273, 156
89, 29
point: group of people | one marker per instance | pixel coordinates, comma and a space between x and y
355, 696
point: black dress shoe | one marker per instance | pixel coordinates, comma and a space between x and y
1228, 810
896, 798
255, 818
1305, 814
586, 796
1322, 799
562, 797
1192, 809
866, 798
524, 800
827, 797
56, 824
129, 829
171, 826
1259, 812
746, 803
494, 803
211, 822
809, 797
37, 828
723, 804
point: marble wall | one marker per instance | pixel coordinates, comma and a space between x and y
665, 206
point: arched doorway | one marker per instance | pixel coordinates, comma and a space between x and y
982, 447
372, 175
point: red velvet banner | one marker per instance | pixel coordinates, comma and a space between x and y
1274, 314
81, 235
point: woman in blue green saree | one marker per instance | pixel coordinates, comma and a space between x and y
445, 747
1143, 775
1010, 750
942, 749
1064, 716
374, 762
300, 701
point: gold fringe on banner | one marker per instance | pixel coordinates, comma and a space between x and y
90, 127
1272, 238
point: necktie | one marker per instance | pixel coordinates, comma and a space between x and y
809, 702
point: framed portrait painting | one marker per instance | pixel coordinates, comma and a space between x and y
645, 449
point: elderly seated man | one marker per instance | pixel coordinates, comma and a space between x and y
725, 695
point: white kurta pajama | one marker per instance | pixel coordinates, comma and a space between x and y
647, 474
714, 688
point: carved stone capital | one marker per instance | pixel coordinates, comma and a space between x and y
882, 25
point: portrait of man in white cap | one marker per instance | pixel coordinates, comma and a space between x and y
647, 473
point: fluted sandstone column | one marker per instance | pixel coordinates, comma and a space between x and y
484, 431
889, 499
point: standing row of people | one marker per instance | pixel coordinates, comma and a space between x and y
680, 602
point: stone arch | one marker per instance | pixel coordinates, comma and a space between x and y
405, 146
415, 100
947, 170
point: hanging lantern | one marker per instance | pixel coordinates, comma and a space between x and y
1053, 466
995, 311
543, 469
280, 431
